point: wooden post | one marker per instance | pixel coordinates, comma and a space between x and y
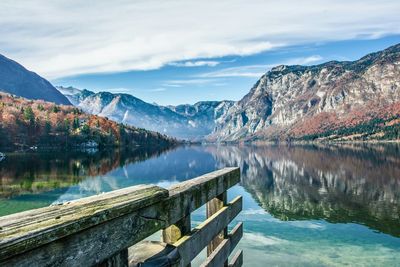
172, 233
212, 207
98, 230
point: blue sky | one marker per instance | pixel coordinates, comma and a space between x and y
173, 51
224, 78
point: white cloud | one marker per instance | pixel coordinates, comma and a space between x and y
258, 70
242, 71
59, 38
180, 83
160, 89
198, 63
304, 60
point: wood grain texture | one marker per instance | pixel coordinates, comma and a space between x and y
191, 245
212, 207
220, 255
237, 259
92, 230
27, 230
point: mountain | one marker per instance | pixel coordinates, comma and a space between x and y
25, 123
192, 122
16, 80
204, 114
350, 100
334, 100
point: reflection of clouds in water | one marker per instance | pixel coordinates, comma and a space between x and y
257, 239
254, 212
313, 252
89, 187
260, 215
299, 184
166, 184
307, 225
192, 164
126, 172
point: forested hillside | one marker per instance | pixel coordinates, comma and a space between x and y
35, 123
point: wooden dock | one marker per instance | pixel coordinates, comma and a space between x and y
109, 229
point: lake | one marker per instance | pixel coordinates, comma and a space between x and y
311, 205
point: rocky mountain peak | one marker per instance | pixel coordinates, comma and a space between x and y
299, 100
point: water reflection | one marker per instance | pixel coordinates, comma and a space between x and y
336, 183
340, 184
35, 180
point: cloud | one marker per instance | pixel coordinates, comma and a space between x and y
198, 63
160, 89
71, 37
242, 71
180, 83
304, 60
258, 70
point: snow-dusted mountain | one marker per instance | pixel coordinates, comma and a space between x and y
336, 100
191, 122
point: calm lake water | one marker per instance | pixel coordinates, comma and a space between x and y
303, 205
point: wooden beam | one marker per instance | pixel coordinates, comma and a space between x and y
221, 254
237, 259
212, 207
94, 243
191, 245
27, 230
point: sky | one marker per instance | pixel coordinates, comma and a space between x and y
175, 52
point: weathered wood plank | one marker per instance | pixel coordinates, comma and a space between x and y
192, 194
237, 259
220, 255
191, 245
212, 207
27, 230
99, 242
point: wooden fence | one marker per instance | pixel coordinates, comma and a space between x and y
108, 229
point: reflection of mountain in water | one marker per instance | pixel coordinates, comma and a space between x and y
343, 184
39, 172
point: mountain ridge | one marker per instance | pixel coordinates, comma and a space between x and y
185, 121
287, 100
17, 80
335, 100
28, 123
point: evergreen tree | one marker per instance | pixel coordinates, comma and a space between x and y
29, 115
75, 123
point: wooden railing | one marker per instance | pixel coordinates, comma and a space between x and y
108, 229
